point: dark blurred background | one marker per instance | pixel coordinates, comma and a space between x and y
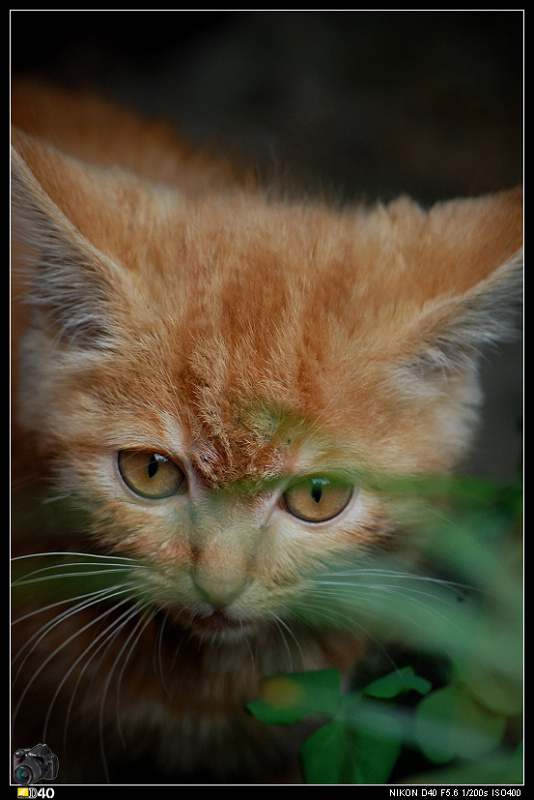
359, 105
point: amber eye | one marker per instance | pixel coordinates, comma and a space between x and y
317, 499
149, 474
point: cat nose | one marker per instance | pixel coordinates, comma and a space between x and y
220, 591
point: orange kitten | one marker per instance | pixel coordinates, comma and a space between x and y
202, 371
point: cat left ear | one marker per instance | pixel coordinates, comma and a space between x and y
457, 323
450, 336
70, 280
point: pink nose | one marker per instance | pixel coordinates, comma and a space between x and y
218, 591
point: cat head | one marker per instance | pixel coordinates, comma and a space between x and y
220, 375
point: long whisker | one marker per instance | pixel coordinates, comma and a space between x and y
57, 650
91, 646
158, 652
108, 636
92, 599
281, 627
96, 595
71, 553
140, 627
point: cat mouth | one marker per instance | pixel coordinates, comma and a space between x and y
218, 622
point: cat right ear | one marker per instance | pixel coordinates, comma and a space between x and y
69, 280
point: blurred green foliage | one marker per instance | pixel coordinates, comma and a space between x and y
469, 729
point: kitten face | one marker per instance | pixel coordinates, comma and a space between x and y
157, 491
216, 402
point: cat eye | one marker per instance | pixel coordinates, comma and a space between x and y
317, 499
149, 474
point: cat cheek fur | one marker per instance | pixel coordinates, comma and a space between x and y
162, 306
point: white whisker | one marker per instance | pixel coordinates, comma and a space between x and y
281, 627
58, 649
40, 635
140, 626
87, 661
158, 654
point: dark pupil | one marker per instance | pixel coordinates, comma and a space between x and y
152, 466
316, 492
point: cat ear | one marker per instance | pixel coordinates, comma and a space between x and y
450, 336
461, 319
70, 280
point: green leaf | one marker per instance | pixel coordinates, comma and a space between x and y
324, 753
288, 698
498, 768
342, 753
497, 692
450, 723
402, 680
